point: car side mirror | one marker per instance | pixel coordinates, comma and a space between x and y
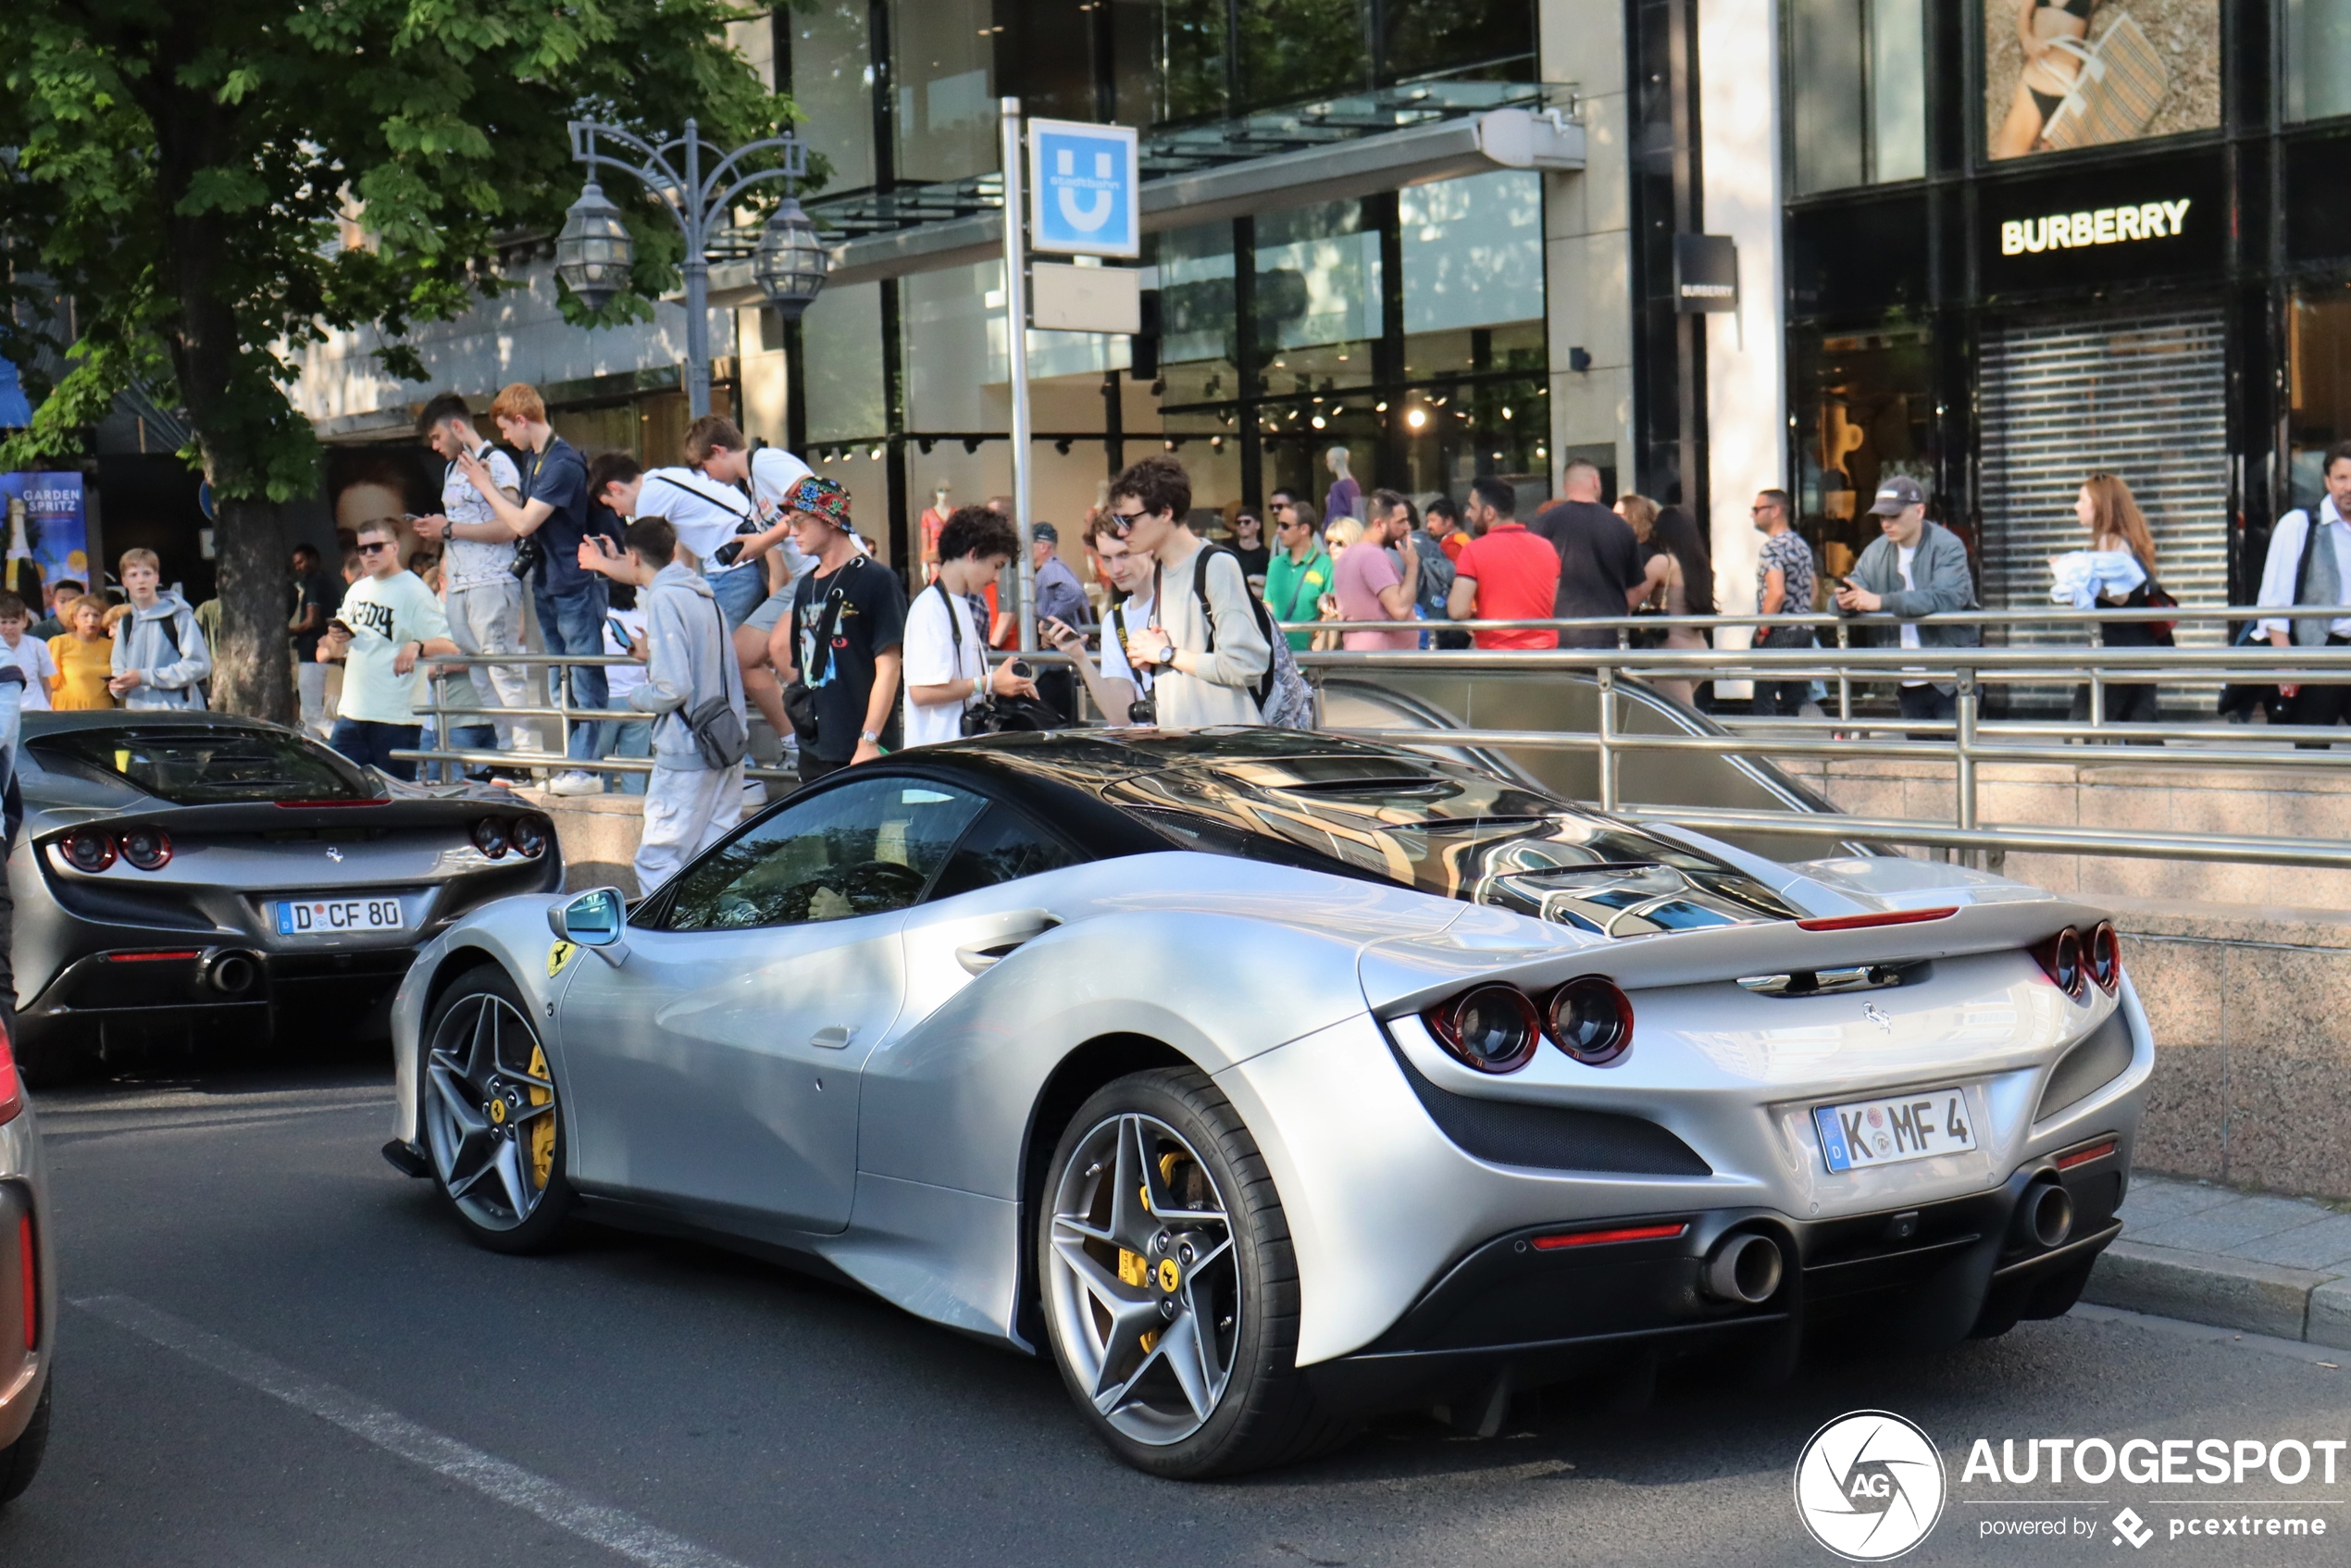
594, 919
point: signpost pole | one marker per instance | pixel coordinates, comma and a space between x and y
1017, 349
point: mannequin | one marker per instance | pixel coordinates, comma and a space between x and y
1345, 498
934, 520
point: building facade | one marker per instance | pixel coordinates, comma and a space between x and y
1442, 236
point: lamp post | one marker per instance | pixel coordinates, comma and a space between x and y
593, 250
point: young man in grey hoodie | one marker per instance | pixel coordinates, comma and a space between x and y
160, 657
689, 660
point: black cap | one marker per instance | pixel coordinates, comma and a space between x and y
1896, 494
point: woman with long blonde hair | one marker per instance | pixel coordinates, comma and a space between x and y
2111, 515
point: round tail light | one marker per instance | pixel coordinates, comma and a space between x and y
2060, 959
87, 849
1492, 1028
489, 838
530, 837
1591, 1020
2103, 954
149, 849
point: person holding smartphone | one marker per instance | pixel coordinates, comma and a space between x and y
1120, 689
1914, 567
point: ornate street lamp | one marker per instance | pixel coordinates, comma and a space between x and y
593, 252
790, 262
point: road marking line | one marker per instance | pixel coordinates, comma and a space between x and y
615, 1529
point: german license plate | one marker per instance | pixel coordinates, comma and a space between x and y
333, 917
1868, 1133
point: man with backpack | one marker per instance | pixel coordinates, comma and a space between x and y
694, 688
160, 657
1209, 646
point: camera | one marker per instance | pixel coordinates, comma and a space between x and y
1143, 711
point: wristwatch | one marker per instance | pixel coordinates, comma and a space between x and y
1167, 659
873, 735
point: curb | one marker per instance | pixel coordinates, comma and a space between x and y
2285, 1303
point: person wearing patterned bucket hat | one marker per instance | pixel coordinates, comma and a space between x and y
839, 649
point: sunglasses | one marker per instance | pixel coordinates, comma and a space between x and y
380, 544
1122, 523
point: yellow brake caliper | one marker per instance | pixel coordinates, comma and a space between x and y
1132, 1267
542, 1129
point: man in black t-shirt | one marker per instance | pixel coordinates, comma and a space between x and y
1600, 559
844, 636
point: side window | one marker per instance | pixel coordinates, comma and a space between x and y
1003, 848
867, 848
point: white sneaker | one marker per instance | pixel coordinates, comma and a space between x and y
577, 782
755, 794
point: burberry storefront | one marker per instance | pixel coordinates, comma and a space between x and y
2115, 239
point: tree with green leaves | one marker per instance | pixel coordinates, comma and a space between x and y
215, 185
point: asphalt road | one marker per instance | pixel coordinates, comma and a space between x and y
282, 1352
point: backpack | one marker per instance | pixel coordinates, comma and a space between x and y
1436, 578
1284, 698
170, 627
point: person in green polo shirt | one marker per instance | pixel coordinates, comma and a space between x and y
1299, 573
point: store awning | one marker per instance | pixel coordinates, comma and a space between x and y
1202, 188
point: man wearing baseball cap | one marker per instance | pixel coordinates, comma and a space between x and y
1914, 567
844, 638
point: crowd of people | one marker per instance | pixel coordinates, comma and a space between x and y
735, 583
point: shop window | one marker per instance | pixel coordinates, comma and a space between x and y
1298, 49
1472, 254
942, 55
831, 65
1857, 91
2096, 72
1318, 298
1424, 38
2319, 387
840, 356
1863, 413
2317, 58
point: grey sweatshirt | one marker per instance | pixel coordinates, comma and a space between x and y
691, 660
168, 675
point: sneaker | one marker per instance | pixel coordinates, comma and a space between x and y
577, 782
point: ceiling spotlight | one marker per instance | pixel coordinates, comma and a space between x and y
1318, 421
1417, 417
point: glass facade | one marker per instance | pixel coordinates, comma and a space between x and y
1406, 327
1857, 104
2317, 58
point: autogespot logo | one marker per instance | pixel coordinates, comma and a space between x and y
1868, 1485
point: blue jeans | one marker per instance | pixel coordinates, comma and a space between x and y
740, 593
573, 623
371, 744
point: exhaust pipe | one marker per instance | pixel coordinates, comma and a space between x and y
1742, 1268
229, 972
2046, 1217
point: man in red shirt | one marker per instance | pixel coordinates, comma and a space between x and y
1504, 574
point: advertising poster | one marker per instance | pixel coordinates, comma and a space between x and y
2064, 74
48, 533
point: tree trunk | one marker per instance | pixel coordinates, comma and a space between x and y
252, 671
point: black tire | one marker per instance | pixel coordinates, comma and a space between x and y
1267, 1415
20, 1461
490, 1220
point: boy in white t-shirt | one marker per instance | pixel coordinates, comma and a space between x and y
28, 653
946, 655
388, 621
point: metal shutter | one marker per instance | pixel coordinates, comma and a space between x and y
2141, 396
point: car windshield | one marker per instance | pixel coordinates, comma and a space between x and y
1454, 832
197, 764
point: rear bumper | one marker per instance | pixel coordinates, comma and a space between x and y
1514, 1314
156, 981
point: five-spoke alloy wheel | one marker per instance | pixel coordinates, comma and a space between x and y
491, 1122
1170, 1292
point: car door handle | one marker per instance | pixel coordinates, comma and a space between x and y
834, 1037
981, 956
